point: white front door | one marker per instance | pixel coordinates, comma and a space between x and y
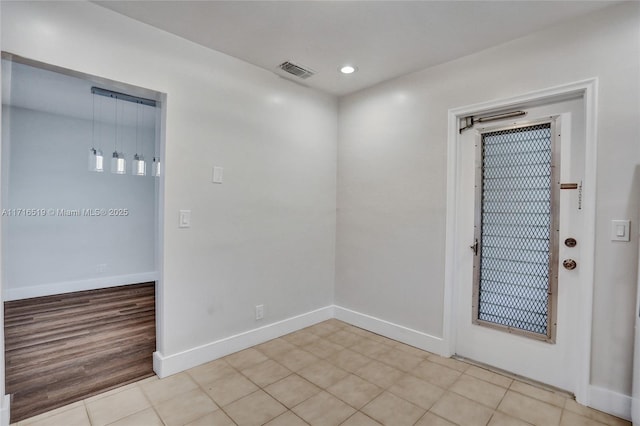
496, 321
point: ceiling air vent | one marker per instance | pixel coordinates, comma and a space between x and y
296, 70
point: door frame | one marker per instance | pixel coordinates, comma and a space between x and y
587, 90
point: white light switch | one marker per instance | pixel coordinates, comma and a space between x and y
620, 230
185, 219
217, 174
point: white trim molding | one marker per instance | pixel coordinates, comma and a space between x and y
5, 411
393, 331
611, 402
588, 90
79, 285
166, 365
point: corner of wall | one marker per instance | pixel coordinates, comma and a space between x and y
610, 402
403, 334
166, 365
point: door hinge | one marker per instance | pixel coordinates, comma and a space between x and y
474, 247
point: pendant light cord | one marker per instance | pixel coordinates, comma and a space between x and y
93, 123
116, 130
137, 126
100, 128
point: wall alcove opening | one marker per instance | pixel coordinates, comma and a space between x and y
80, 245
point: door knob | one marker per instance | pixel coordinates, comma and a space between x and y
569, 264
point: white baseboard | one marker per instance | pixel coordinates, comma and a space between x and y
610, 402
79, 285
4, 411
393, 331
167, 365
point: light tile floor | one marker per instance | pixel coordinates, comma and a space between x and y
329, 374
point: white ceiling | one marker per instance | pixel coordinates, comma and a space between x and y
38, 89
384, 39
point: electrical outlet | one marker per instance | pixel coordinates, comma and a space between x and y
259, 312
101, 268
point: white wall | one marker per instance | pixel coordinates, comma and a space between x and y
264, 236
392, 176
54, 253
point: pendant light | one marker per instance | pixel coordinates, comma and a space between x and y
118, 163
96, 159
138, 165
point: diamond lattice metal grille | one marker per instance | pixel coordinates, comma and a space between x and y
516, 217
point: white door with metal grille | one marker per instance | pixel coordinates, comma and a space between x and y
517, 295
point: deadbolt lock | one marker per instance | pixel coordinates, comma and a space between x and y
570, 242
569, 264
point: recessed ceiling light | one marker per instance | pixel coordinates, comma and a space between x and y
348, 69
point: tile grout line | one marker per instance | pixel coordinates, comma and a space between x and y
267, 392
153, 407
210, 397
506, 390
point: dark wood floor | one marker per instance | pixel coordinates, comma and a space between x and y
64, 348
